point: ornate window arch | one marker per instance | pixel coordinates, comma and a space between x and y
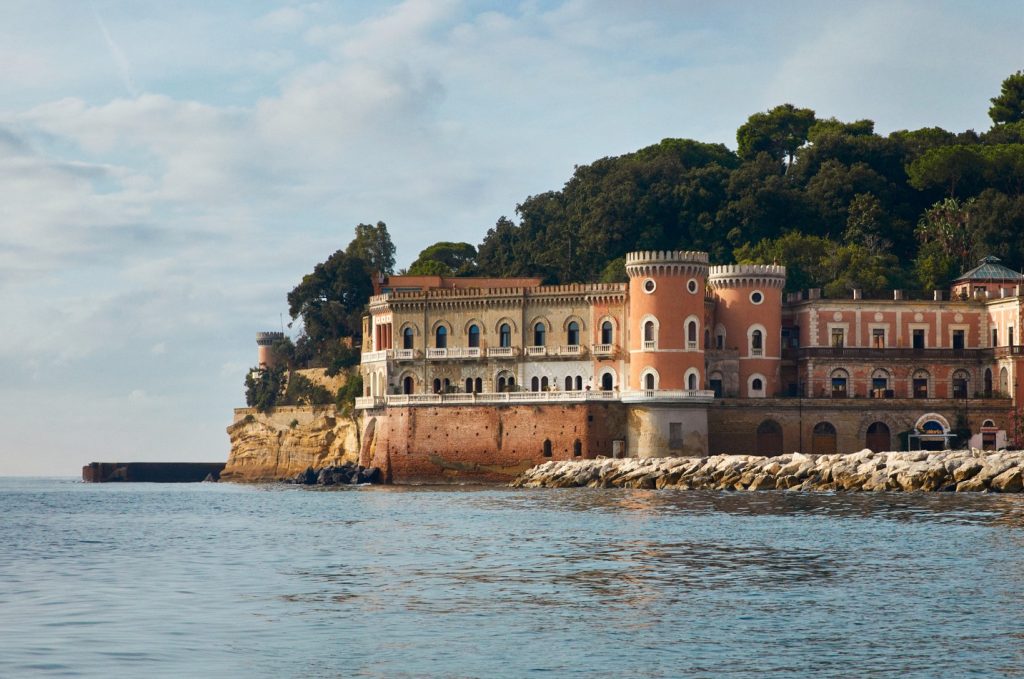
757, 386
839, 380
691, 379
691, 331
649, 330
608, 379
756, 339
511, 324
649, 379
608, 327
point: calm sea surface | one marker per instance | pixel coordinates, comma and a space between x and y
143, 580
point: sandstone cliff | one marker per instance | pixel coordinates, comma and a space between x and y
280, 444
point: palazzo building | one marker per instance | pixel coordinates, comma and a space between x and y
684, 359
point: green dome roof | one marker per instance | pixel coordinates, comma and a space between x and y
990, 270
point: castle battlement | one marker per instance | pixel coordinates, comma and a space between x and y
265, 339
666, 257
743, 275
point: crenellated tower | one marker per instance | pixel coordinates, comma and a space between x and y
666, 326
747, 321
265, 340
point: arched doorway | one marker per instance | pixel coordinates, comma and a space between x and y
607, 382
769, 438
407, 385
823, 439
878, 438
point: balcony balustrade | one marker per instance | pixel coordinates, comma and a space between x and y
364, 402
650, 345
501, 352
668, 395
603, 350
536, 351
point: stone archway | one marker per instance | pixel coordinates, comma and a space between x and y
823, 439
769, 438
878, 437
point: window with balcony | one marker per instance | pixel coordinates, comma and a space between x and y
840, 378
691, 335
538, 335
407, 338
573, 334
505, 335
756, 343
960, 381
607, 334
650, 334
649, 381
607, 382
474, 336
919, 384
441, 337
691, 381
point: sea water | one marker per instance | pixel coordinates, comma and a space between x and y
208, 580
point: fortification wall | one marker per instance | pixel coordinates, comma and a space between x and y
484, 443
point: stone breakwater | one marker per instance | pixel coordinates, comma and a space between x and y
948, 470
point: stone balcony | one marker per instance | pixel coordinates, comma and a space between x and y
668, 396
485, 398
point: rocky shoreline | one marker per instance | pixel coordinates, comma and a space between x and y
948, 470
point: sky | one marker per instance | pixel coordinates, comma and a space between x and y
170, 170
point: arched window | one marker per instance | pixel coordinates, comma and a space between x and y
757, 343
501, 384
649, 381
469, 385
577, 448
716, 384
544, 383
961, 380
607, 333
607, 382
880, 384
691, 335
988, 383
756, 386
1004, 382
573, 333
437, 386
511, 384
840, 386
535, 384
407, 385
719, 336
691, 381
407, 338
446, 385
538, 335
505, 335
568, 383
474, 336
547, 447
441, 337
478, 385
579, 383
649, 334
919, 384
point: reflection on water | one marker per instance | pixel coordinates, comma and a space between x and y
399, 582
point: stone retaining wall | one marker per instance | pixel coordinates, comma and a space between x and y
949, 470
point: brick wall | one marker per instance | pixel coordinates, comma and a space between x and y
484, 443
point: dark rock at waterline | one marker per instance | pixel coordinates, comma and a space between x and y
346, 474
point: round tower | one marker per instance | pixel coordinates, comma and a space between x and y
265, 340
748, 319
665, 388
666, 320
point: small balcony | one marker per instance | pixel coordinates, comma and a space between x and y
375, 356
454, 352
650, 345
603, 350
668, 395
435, 354
570, 350
405, 354
536, 351
501, 352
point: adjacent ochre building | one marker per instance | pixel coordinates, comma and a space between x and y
479, 378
